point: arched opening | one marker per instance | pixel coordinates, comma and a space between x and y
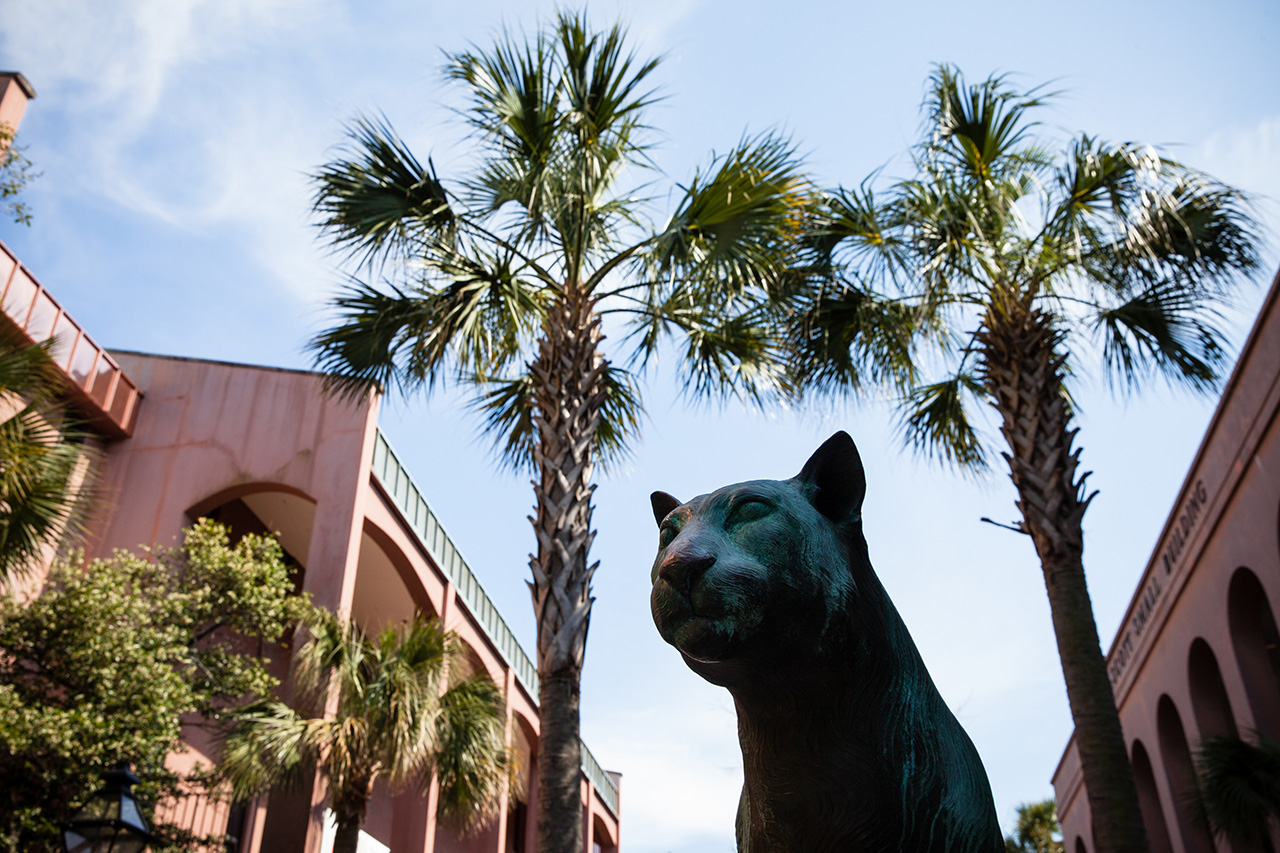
268, 508
390, 554
1148, 801
1180, 773
1209, 698
520, 816
264, 508
386, 590
1080, 848
1257, 648
482, 838
602, 840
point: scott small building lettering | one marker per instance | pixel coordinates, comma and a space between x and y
1181, 533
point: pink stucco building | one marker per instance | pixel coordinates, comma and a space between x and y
1197, 653
265, 449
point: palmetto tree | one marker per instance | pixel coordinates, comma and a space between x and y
404, 709
1037, 829
1239, 787
42, 473
501, 280
1004, 265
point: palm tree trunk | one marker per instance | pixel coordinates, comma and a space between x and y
1022, 370
347, 835
569, 396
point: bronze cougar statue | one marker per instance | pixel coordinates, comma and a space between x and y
765, 588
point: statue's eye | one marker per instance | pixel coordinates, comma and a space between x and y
667, 530
749, 509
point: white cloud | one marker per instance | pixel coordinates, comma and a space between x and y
171, 114
1249, 158
682, 775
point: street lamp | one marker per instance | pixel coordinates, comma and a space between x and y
111, 821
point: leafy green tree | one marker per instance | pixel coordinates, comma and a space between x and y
111, 659
1037, 829
15, 174
43, 460
1240, 788
1004, 266
503, 280
394, 719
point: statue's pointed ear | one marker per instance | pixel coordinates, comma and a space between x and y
663, 503
835, 470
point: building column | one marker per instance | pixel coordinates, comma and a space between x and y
589, 826
433, 790
333, 555
504, 803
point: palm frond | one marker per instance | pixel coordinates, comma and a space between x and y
849, 337
740, 222
621, 415
1240, 787
389, 720
45, 465
1167, 329
514, 95
731, 346
936, 421
378, 200
981, 130
478, 319
508, 407
268, 745
1037, 829
26, 369
1126, 217
483, 315
850, 229
470, 758
39, 494
951, 238
358, 354
602, 83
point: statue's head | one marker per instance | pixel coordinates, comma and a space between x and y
751, 570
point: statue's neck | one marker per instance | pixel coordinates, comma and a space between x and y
814, 738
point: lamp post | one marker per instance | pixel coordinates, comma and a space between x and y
111, 821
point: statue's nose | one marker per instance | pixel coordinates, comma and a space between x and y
682, 569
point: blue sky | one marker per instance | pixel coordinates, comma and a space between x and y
175, 138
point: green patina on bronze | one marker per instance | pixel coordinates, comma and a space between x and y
766, 589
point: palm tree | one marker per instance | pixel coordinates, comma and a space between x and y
1003, 265
403, 709
1037, 829
43, 475
1240, 788
504, 278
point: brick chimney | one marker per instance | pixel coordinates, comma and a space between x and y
15, 91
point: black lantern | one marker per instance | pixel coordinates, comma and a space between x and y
111, 822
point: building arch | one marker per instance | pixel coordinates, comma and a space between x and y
603, 840
1256, 644
263, 507
388, 588
1209, 700
1080, 848
1179, 770
521, 817
1148, 801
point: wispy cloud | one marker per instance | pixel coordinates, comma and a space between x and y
1249, 157
682, 776
170, 116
